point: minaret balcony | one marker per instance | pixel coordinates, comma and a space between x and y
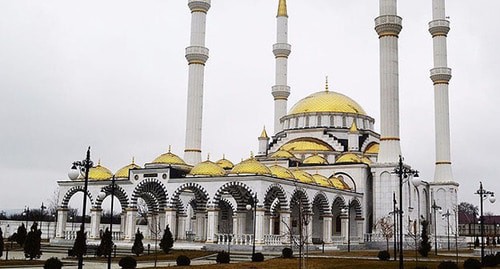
441, 75
439, 27
199, 5
282, 50
197, 54
388, 25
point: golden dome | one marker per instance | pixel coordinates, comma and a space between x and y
303, 176
322, 180
349, 158
281, 172
124, 171
339, 183
315, 159
250, 167
282, 154
208, 168
169, 158
306, 144
100, 172
327, 101
372, 148
225, 163
366, 160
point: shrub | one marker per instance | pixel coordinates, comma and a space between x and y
223, 257
287, 253
127, 263
425, 245
183, 260
489, 261
497, 256
52, 263
421, 267
138, 247
258, 257
447, 265
167, 241
471, 263
383, 255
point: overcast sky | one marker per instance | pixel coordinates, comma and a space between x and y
112, 75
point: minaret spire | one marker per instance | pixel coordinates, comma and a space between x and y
281, 50
388, 26
197, 56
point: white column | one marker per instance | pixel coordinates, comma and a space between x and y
197, 56
200, 226
309, 230
123, 223
212, 225
171, 221
62, 219
327, 229
344, 226
181, 230
259, 226
285, 225
388, 26
360, 227
235, 223
241, 217
281, 50
151, 226
130, 227
95, 222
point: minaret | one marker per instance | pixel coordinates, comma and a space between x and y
388, 26
263, 143
197, 56
443, 188
281, 51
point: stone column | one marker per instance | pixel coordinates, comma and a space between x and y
259, 226
309, 229
151, 225
62, 219
285, 226
130, 226
344, 225
123, 223
171, 221
95, 222
181, 230
327, 228
200, 226
212, 225
360, 227
241, 217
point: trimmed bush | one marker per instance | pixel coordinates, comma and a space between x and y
183, 260
421, 267
471, 263
287, 253
258, 257
127, 263
383, 255
497, 256
52, 263
223, 257
447, 265
490, 261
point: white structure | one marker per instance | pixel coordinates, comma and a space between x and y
322, 166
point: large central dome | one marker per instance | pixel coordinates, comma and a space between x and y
327, 101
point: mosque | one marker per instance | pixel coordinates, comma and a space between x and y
324, 172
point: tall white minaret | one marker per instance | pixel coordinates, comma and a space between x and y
443, 189
388, 26
197, 56
281, 51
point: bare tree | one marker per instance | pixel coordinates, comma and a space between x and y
386, 227
53, 202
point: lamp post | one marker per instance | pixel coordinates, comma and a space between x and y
42, 208
435, 208
102, 196
404, 173
447, 216
347, 210
249, 207
26, 213
483, 194
73, 174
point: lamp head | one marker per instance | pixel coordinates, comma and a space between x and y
440, 210
249, 207
73, 173
492, 198
416, 181
101, 195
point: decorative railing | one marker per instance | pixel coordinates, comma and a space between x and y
338, 239
273, 239
234, 239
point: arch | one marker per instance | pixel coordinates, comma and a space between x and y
153, 188
241, 193
200, 196
307, 144
273, 193
338, 202
300, 197
321, 202
351, 180
354, 203
119, 193
72, 191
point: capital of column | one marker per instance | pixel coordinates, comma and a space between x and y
197, 55
199, 5
439, 27
96, 210
441, 75
282, 50
388, 25
280, 92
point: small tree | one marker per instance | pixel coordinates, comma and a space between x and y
32, 245
1, 242
167, 241
386, 227
106, 245
52, 263
138, 247
425, 245
80, 245
21, 235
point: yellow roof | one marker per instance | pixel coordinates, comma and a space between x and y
366, 160
303, 176
282, 12
282, 154
327, 101
124, 171
306, 144
207, 168
372, 148
100, 172
281, 172
225, 163
264, 133
169, 158
348, 158
250, 167
322, 180
315, 159
339, 183
354, 127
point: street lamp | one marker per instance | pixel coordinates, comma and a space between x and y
404, 173
42, 208
439, 209
73, 174
102, 196
26, 213
249, 207
447, 216
347, 210
483, 194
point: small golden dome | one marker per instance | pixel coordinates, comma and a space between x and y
322, 180
250, 167
315, 159
339, 183
349, 158
282, 154
124, 171
327, 101
303, 176
372, 148
306, 144
264, 133
100, 172
169, 158
225, 163
281, 172
208, 168
366, 160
